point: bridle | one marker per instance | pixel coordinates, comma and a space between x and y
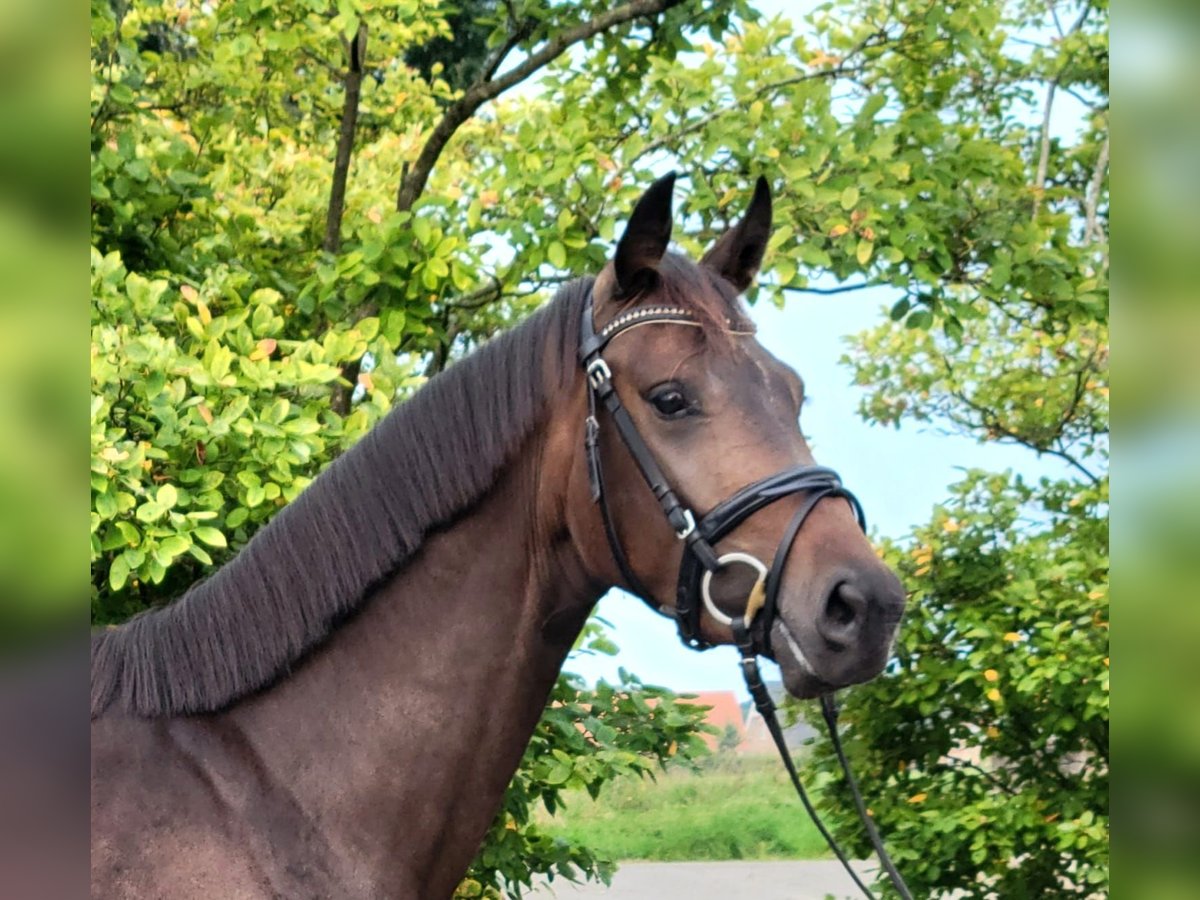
700, 563
700, 560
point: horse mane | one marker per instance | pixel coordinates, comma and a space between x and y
321, 556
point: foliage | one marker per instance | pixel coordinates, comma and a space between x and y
741, 808
1044, 387
984, 748
248, 325
461, 53
203, 425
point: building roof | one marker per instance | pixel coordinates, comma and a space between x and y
725, 713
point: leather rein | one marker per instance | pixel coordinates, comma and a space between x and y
701, 562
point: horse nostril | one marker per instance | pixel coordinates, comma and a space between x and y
844, 612
841, 612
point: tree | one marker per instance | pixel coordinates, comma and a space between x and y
985, 744
296, 221
984, 748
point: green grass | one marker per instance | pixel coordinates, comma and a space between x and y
733, 809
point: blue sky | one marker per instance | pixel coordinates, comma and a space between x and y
898, 474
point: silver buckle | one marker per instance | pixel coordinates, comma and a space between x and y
598, 372
689, 525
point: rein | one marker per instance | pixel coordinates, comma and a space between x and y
752, 629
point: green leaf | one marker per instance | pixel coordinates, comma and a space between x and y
368, 327
105, 504
211, 536
953, 329
557, 254
850, 197
422, 231
922, 318
200, 553
166, 496
118, 573
558, 773
129, 533
173, 546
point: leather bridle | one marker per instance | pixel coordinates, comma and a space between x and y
752, 629
700, 560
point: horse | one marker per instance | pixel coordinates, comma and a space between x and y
337, 710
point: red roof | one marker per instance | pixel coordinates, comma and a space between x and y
725, 712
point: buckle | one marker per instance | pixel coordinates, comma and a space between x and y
598, 372
689, 525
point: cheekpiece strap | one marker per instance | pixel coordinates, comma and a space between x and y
600, 388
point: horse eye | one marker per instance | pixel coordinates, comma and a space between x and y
670, 402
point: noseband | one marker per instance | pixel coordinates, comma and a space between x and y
700, 563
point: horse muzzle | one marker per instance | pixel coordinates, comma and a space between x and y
847, 639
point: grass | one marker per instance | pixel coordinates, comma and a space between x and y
732, 809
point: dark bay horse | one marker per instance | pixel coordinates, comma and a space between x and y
337, 711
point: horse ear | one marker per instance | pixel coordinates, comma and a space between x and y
738, 253
646, 237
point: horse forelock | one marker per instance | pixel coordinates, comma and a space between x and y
713, 300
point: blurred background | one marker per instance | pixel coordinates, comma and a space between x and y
1156, 403
43, 489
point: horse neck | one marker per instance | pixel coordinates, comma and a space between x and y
401, 732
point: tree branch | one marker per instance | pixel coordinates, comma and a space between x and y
494, 290
321, 61
1039, 186
517, 32
1091, 230
482, 91
949, 762
441, 354
840, 289
990, 420
481, 296
356, 50
1039, 181
839, 70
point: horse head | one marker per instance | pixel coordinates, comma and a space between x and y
705, 483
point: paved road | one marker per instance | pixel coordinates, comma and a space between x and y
805, 880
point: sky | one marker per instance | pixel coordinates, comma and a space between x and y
898, 474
